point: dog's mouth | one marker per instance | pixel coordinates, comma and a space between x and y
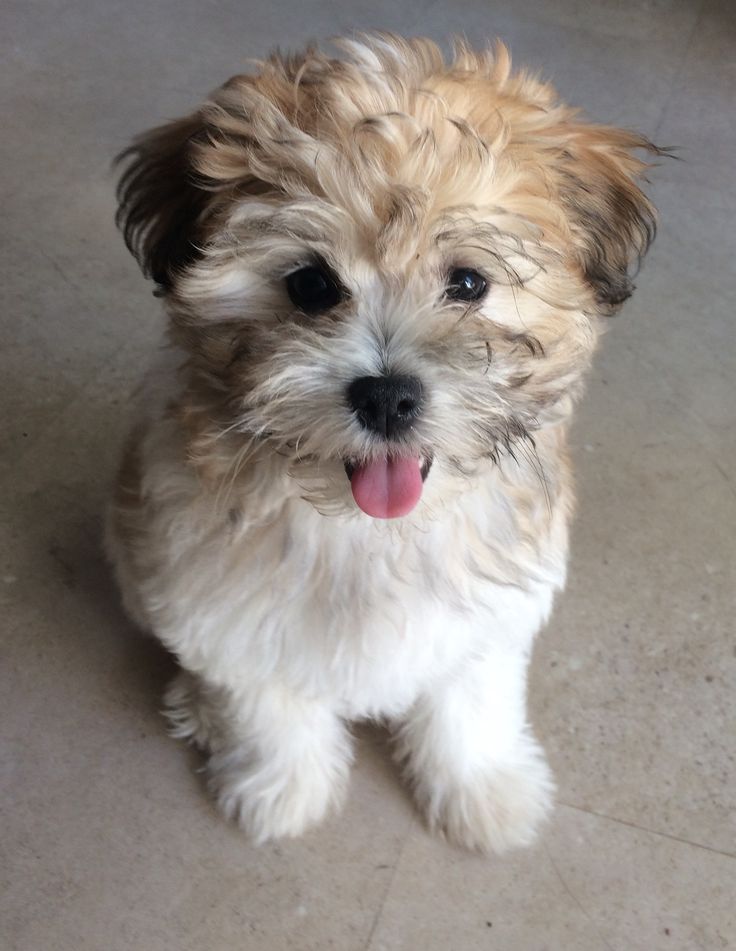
390, 486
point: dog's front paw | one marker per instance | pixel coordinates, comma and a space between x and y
269, 803
192, 711
492, 810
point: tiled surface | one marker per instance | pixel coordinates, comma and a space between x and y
107, 839
590, 884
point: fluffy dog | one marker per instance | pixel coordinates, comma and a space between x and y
348, 492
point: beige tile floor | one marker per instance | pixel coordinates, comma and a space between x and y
108, 841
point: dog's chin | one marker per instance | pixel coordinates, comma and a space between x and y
390, 485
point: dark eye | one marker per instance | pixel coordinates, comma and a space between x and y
314, 288
465, 284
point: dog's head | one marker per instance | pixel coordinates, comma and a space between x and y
383, 264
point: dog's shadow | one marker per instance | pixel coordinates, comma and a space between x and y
76, 560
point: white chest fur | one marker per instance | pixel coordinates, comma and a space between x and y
367, 613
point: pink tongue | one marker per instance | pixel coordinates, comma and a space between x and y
388, 487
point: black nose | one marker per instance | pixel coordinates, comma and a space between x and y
386, 404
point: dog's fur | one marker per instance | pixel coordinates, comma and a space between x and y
233, 531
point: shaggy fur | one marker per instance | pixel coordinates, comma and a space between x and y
233, 532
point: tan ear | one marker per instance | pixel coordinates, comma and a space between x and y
613, 220
161, 206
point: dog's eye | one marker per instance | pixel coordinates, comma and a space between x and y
314, 288
465, 285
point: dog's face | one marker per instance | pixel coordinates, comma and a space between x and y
385, 269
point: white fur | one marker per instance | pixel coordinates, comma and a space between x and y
290, 624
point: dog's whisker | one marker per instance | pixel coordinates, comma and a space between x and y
238, 463
235, 426
527, 446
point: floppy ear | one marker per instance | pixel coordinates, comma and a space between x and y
613, 221
161, 207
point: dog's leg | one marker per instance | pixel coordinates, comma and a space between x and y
477, 771
281, 760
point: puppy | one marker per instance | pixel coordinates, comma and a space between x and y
348, 490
